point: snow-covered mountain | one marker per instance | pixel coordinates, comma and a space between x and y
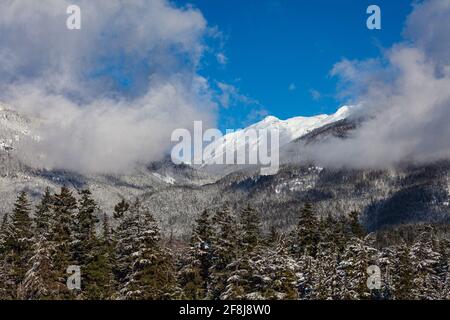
176, 194
289, 130
14, 127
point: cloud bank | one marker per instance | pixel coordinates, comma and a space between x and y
406, 95
109, 95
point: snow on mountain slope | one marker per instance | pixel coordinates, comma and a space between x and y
289, 130
13, 128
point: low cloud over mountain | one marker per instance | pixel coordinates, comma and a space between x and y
108, 95
405, 94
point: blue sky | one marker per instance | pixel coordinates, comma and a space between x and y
272, 45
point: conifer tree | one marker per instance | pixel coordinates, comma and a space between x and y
250, 229
325, 277
63, 211
99, 276
387, 262
272, 275
224, 251
355, 227
281, 269
152, 276
124, 238
5, 268
19, 239
84, 233
195, 275
3, 234
40, 282
425, 262
242, 280
358, 256
305, 283
402, 277
306, 237
43, 214
120, 209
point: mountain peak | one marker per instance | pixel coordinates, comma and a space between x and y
270, 119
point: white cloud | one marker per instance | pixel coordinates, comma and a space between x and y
231, 96
221, 58
406, 95
316, 95
75, 81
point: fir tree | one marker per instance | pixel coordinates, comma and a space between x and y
6, 280
64, 207
120, 209
43, 214
387, 261
250, 229
3, 234
242, 274
272, 275
19, 239
305, 282
152, 276
355, 227
358, 256
306, 237
425, 262
325, 277
100, 282
84, 233
402, 277
195, 273
124, 238
224, 251
40, 282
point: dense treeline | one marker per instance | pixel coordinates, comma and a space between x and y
228, 256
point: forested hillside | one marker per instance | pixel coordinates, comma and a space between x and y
124, 255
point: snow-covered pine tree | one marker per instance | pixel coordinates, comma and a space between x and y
3, 234
194, 275
99, 277
43, 215
152, 276
40, 281
64, 206
425, 262
387, 261
355, 226
240, 281
443, 246
124, 238
85, 243
306, 235
6, 281
120, 209
358, 256
324, 277
19, 239
274, 273
243, 280
84, 230
224, 251
250, 229
402, 276
305, 277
